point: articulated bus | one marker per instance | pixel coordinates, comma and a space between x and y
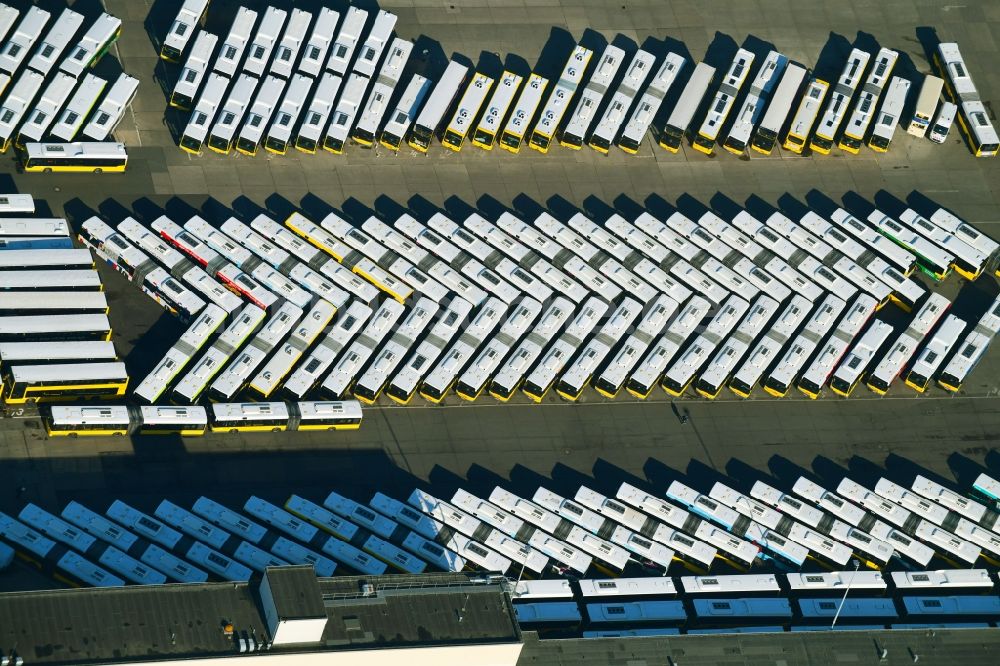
753, 106
763, 355
91, 48
287, 51
560, 99
965, 232
650, 102
903, 260
78, 108
683, 370
204, 113
318, 44
279, 134
220, 139
805, 116
766, 134
682, 115
591, 98
17, 45
523, 114
864, 108
47, 352
889, 114
53, 302
56, 40
927, 104
823, 364
932, 261
427, 123
971, 350
231, 54
516, 367
259, 53
722, 104
972, 118
586, 364
184, 25
285, 359
111, 109
45, 280
63, 381
467, 111
343, 116
195, 68
617, 111
650, 370
496, 110
348, 325
933, 354
365, 133
545, 372
405, 112
849, 372
310, 132
259, 115
15, 105
968, 261
418, 364
840, 99
782, 376
435, 386
471, 383
718, 371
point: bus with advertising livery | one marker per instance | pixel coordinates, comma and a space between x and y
766, 134
91, 48
439, 100
559, 99
406, 110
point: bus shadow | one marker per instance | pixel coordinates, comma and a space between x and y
554, 53
831, 58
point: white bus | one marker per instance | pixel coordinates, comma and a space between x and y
942, 122
279, 134
378, 37
259, 53
376, 106
931, 260
966, 232
650, 102
968, 261
27, 32
406, 110
849, 372
347, 41
514, 369
971, 350
343, 116
407, 380
427, 123
722, 104
973, 119
722, 366
316, 47
496, 110
805, 115
652, 366
78, 108
92, 47
614, 375
548, 369
111, 109
7, 17
927, 104
561, 97
471, 383
183, 26
43, 280
291, 41
195, 68
753, 106
317, 113
37, 122
579, 373
823, 364
591, 98
783, 375
933, 354
220, 139
376, 376
766, 134
889, 114
839, 100
683, 113
349, 324
442, 377
763, 355
231, 54
617, 110
15, 105
900, 258
56, 40
259, 116
340, 380
204, 112
683, 369
524, 112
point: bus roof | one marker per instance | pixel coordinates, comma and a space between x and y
68, 371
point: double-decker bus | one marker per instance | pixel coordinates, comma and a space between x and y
523, 114
753, 106
722, 104
284, 360
591, 98
579, 373
805, 115
365, 133
840, 99
933, 354
682, 371
766, 134
972, 117
231, 54
889, 114
348, 325
763, 355
342, 52
376, 376
854, 319
420, 361
649, 104
481, 370
279, 134
439, 100
900, 258
966, 232
516, 367
259, 53
545, 372
683, 113
378, 37
617, 110
648, 373
496, 110
559, 99
971, 350
184, 25
612, 378
445, 373
346, 111
259, 115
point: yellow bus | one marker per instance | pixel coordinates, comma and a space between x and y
468, 108
63, 381
805, 116
496, 111
93, 157
560, 99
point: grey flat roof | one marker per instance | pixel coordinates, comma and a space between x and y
295, 592
187, 620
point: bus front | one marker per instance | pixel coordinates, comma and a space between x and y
671, 138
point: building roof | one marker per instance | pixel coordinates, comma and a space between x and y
109, 625
295, 592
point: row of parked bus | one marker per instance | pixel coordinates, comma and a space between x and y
605, 99
438, 307
48, 93
54, 329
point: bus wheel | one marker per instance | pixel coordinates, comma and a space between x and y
47, 170
98, 170
74, 434
233, 430
275, 429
